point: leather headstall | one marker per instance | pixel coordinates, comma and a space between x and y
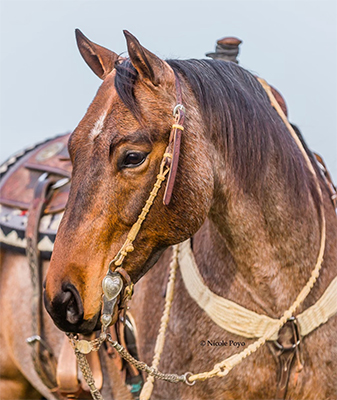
174, 143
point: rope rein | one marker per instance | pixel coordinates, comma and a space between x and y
148, 386
224, 367
128, 244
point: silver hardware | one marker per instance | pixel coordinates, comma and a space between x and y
129, 325
178, 107
112, 285
281, 347
43, 177
186, 379
33, 339
84, 346
60, 183
106, 319
294, 345
36, 338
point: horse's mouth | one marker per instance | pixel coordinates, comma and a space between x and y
84, 328
63, 316
66, 309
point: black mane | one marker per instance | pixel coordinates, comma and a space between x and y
239, 118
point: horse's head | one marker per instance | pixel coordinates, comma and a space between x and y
117, 150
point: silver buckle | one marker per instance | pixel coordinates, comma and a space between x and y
178, 107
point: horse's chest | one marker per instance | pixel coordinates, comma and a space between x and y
194, 343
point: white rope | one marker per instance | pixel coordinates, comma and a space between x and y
148, 386
239, 320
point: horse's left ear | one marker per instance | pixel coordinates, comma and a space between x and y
150, 67
100, 60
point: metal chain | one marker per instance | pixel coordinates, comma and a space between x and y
87, 374
142, 366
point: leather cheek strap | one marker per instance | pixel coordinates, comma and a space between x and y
174, 149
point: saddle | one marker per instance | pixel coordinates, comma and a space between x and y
17, 185
20, 176
34, 190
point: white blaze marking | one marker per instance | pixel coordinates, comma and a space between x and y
97, 129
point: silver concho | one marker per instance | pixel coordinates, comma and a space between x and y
49, 151
106, 319
112, 285
84, 347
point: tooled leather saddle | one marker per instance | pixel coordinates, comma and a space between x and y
34, 190
19, 178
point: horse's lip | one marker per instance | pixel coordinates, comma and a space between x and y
85, 326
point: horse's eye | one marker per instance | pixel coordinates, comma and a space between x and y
133, 159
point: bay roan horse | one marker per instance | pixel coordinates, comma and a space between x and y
243, 192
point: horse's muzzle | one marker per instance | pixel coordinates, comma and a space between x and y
66, 310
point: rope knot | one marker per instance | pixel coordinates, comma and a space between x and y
224, 372
129, 248
161, 178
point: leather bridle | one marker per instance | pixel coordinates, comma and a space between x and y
117, 282
174, 143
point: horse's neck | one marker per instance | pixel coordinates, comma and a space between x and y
219, 270
262, 252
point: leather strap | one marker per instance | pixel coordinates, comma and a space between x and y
125, 275
328, 180
117, 332
284, 367
69, 383
43, 358
49, 169
113, 353
60, 377
284, 350
174, 145
66, 376
133, 371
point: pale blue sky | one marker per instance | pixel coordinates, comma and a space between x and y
46, 87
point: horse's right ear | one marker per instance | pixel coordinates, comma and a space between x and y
152, 69
100, 60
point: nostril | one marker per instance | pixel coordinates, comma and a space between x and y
66, 297
72, 310
66, 310
73, 304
